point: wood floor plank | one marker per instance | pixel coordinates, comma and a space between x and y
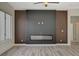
43, 51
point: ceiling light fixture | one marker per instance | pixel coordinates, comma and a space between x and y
46, 3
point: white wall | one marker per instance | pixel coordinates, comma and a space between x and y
6, 44
76, 31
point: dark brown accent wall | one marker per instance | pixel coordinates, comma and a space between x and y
61, 26
20, 21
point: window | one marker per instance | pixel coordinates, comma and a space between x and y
5, 26
2, 25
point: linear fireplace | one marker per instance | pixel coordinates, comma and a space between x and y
41, 37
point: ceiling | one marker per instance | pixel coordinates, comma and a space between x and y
32, 6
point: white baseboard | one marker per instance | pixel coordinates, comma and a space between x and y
39, 44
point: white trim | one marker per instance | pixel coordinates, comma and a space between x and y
39, 44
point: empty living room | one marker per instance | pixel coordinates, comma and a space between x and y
39, 28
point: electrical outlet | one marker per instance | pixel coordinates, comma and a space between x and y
60, 40
21, 40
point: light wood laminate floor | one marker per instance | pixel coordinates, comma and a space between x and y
43, 51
